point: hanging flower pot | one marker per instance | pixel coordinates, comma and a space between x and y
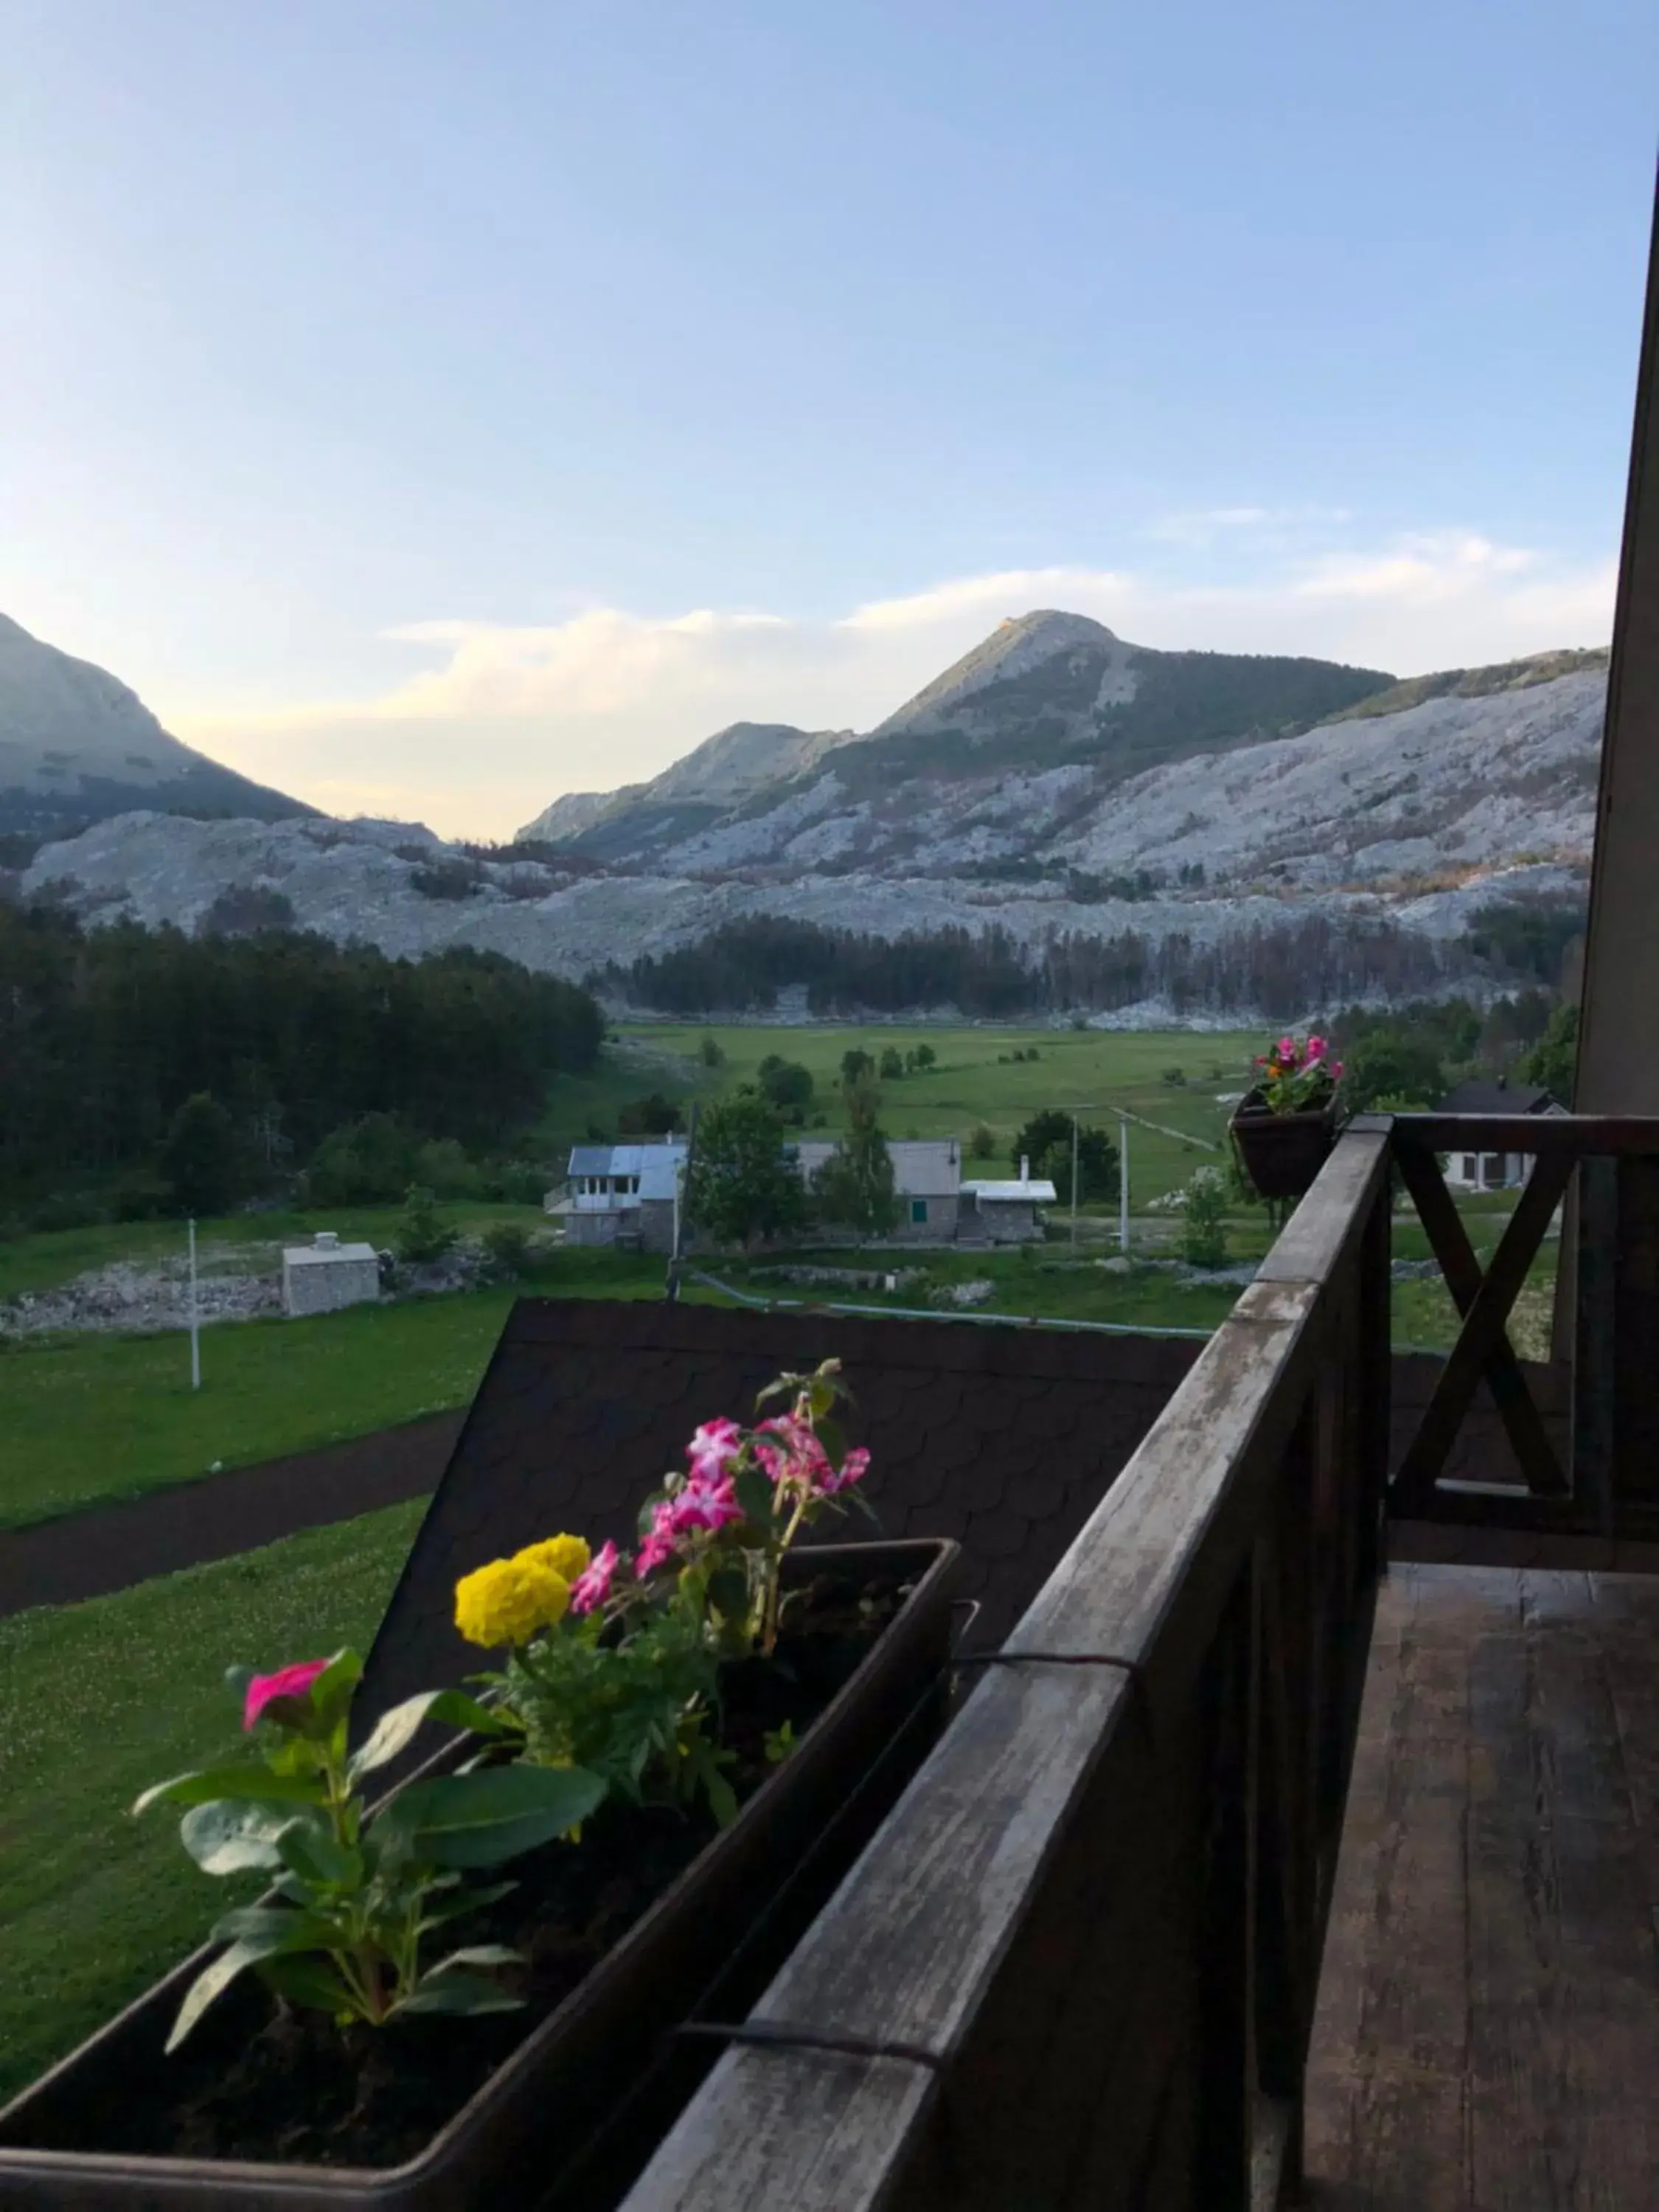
1283, 1129
645, 1886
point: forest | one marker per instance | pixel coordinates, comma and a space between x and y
106, 1034
1275, 972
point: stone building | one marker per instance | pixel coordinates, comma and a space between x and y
324, 1275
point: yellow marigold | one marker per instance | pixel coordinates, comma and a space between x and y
507, 1601
567, 1555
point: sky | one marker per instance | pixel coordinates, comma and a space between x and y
432, 406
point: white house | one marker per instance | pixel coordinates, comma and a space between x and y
1493, 1171
1005, 1211
621, 1193
927, 1180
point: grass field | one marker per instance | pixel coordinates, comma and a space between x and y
977, 1079
89, 1417
99, 1700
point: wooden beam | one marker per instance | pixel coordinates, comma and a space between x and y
1619, 1037
1482, 1347
1541, 1136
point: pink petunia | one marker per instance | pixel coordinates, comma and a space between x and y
852, 1470
1287, 1054
1336, 1071
713, 1448
287, 1682
591, 1588
796, 1455
1316, 1048
703, 1506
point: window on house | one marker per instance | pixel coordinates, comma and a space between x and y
918, 1209
1467, 1167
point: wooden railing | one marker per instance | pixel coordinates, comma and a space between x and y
1606, 1480
1077, 1966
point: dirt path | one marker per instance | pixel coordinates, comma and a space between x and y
110, 1547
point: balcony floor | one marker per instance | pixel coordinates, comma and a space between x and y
1487, 2037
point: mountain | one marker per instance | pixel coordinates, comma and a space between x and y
77, 746
1479, 791
1047, 690
724, 771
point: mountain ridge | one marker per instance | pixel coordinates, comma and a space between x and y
76, 746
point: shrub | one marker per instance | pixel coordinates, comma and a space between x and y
785, 1083
508, 1248
443, 1167
712, 1053
892, 1064
982, 1144
1174, 1077
447, 879
245, 909
654, 1115
423, 1234
368, 1162
1204, 1220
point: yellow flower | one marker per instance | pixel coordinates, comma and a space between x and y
507, 1601
567, 1555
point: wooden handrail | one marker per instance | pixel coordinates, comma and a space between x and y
1088, 1936
1538, 1136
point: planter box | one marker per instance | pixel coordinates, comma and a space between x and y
549, 2126
1282, 1153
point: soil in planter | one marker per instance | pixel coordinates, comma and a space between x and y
292, 2089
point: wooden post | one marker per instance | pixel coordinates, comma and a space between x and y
1597, 1226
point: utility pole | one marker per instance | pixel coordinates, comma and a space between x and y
195, 1317
1074, 1154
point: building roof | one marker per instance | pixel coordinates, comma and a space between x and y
327, 1255
923, 1167
659, 1160
1002, 1438
1478, 1096
1032, 1192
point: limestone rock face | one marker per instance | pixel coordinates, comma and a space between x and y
75, 746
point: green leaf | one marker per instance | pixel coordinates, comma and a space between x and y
272, 1928
470, 1900
479, 1820
249, 1785
305, 1978
396, 1730
476, 1954
459, 1993
308, 1848
754, 1494
728, 1592
225, 1837
213, 1979
236, 1682
834, 1441
332, 1692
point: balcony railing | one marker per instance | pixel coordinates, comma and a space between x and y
1078, 1966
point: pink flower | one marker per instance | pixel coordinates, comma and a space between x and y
1287, 1051
796, 1455
591, 1588
714, 1447
703, 1506
852, 1469
287, 1682
1336, 1071
1316, 1048
652, 1553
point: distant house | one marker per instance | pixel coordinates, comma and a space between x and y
1005, 1213
927, 1180
1493, 1171
621, 1193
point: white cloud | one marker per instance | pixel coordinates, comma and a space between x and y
506, 718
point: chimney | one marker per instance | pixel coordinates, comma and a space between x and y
1024, 1168
327, 1240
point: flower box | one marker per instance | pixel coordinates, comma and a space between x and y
549, 2124
1282, 1153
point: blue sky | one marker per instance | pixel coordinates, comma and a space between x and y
434, 407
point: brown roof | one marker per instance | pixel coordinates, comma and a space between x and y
1002, 1438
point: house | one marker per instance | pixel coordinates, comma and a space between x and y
1005, 1213
927, 1180
622, 1194
1493, 1171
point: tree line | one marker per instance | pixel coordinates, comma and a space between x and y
106, 1034
1275, 969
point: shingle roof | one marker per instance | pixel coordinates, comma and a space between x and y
1476, 1097
1003, 1438
657, 1160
